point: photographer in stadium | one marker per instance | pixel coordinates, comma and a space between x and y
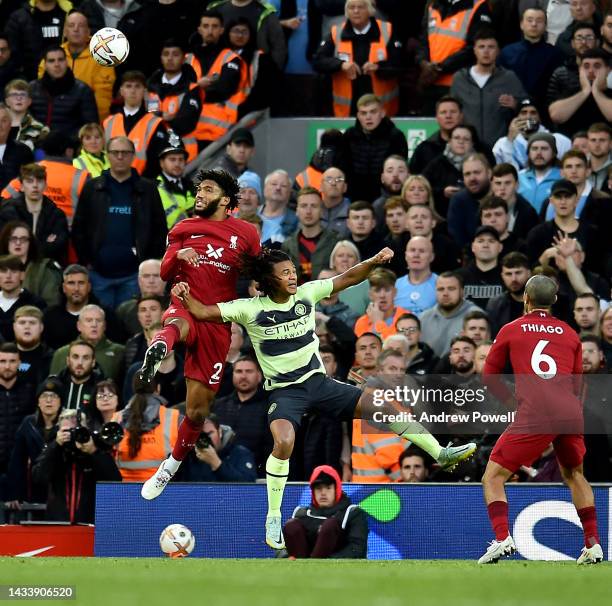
70, 465
217, 458
330, 527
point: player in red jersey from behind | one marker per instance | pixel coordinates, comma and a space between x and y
546, 358
204, 251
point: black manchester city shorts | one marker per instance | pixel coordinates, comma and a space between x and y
319, 393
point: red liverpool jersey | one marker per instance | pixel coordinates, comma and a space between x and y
219, 244
546, 358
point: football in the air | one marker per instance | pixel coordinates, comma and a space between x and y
109, 47
177, 541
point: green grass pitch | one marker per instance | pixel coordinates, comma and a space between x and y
127, 582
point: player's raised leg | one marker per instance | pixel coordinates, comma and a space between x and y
493, 480
584, 501
448, 457
277, 471
175, 330
198, 403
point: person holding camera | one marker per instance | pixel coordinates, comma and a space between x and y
513, 147
35, 430
70, 465
217, 458
150, 431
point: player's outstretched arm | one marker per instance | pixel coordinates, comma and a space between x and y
209, 313
361, 271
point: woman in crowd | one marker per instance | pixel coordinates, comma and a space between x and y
150, 431
344, 256
42, 276
92, 156
35, 430
445, 172
106, 398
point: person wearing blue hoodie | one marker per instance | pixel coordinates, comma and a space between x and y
331, 526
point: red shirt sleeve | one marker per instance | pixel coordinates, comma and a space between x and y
170, 262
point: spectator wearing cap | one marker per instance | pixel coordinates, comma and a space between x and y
481, 277
92, 155
536, 180
489, 93
12, 153
16, 401
174, 95
23, 125
175, 190
34, 354
59, 100
64, 181
34, 431
146, 130
512, 148
238, 153
119, 222
532, 58
251, 193
323, 158
593, 206
331, 526
564, 199
579, 97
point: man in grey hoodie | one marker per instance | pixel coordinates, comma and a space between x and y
443, 321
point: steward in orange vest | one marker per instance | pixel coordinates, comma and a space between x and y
144, 129
175, 96
323, 158
157, 429
447, 33
376, 62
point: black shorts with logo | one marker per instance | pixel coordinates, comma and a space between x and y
319, 393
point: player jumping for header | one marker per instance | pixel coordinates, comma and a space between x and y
546, 357
205, 252
281, 326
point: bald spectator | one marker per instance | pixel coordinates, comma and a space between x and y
92, 328
416, 291
279, 221
445, 320
335, 203
150, 284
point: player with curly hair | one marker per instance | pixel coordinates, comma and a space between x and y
206, 252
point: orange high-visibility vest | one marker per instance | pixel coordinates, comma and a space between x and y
140, 135
447, 37
309, 177
386, 90
191, 59
64, 185
375, 456
217, 118
171, 105
155, 446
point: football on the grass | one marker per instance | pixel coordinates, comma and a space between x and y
177, 541
109, 47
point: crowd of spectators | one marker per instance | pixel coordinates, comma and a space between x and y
516, 181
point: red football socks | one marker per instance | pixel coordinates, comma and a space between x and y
588, 518
498, 514
169, 334
188, 433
